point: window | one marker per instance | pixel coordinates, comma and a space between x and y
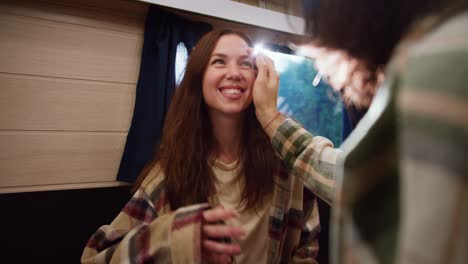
308, 99
180, 62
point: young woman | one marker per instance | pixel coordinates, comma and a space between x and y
215, 192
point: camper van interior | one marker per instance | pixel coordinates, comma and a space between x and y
69, 72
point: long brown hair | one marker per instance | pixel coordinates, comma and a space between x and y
187, 146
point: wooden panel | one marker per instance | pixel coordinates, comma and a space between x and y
67, 186
43, 103
32, 158
239, 13
68, 71
123, 7
48, 48
256, 34
126, 19
292, 7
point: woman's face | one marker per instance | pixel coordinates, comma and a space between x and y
229, 76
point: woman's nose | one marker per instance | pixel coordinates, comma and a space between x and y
233, 72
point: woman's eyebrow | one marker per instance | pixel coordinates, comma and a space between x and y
218, 55
225, 55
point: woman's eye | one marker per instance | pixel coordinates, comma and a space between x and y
218, 61
247, 64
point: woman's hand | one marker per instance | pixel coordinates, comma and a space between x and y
265, 89
217, 245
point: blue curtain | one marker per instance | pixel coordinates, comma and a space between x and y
156, 84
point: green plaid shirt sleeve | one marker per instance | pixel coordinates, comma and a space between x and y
312, 159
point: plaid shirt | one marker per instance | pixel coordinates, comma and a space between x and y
148, 231
401, 193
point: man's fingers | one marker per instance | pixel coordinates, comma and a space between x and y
269, 62
269, 66
266, 71
222, 248
262, 73
273, 77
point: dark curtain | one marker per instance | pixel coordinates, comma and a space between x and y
351, 117
156, 84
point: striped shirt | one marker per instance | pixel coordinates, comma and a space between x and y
399, 184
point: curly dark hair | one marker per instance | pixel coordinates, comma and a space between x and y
367, 30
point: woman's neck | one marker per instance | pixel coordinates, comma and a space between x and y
227, 131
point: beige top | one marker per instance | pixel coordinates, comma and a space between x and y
255, 245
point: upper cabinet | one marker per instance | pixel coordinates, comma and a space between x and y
279, 15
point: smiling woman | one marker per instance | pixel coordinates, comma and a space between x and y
215, 191
229, 77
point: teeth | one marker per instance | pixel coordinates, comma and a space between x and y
232, 91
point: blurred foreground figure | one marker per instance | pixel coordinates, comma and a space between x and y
399, 184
